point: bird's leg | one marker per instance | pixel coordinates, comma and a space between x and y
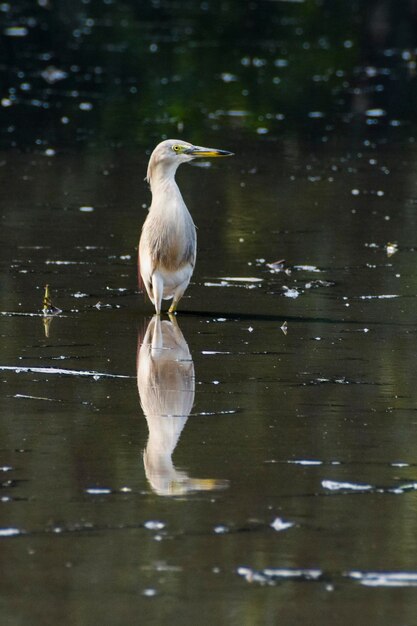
173, 321
178, 294
158, 289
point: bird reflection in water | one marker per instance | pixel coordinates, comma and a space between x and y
166, 385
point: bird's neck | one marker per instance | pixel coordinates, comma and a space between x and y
162, 181
166, 196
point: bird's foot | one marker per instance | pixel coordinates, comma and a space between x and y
172, 308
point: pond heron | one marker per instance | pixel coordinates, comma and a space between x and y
168, 243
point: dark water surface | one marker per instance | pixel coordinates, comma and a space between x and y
291, 493
252, 460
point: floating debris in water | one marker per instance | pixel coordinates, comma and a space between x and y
391, 248
275, 266
210, 352
220, 529
98, 491
16, 31
314, 284
227, 77
52, 74
48, 310
306, 462
356, 330
290, 292
375, 113
245, 283
105, 305
10, 532
86, 209
334, 485
307, 268
284, 328
27, 397
381, 297
51, 262
154, 525
400, 489
385, 579
149, 593
271, 575
278, 524
242, 279
64, 372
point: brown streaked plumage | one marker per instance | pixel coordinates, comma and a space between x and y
168, 244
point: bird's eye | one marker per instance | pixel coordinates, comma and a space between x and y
176, 148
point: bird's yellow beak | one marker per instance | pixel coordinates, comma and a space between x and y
199, 151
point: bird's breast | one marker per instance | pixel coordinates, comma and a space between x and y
174, 242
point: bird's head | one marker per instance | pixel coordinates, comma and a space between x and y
169, 154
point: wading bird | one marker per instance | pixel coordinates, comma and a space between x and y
168, 244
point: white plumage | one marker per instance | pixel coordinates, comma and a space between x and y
168, 244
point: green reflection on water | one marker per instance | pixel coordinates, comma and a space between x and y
146, 70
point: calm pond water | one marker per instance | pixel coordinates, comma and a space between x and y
252, 459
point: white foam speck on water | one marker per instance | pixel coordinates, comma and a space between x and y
220, 529
269, 575
51, 262
385, 579
290, 293
27, 397
245, 282
222, 284
381, 297
15, 313
16, 31
149, 593
154, 525
375, 113
10, 532
305, 462
98, 491
242, 279
402, 488
307, 268
214, 352
334, 485
279, 524
58, 370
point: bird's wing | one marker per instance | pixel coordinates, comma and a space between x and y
146, 266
